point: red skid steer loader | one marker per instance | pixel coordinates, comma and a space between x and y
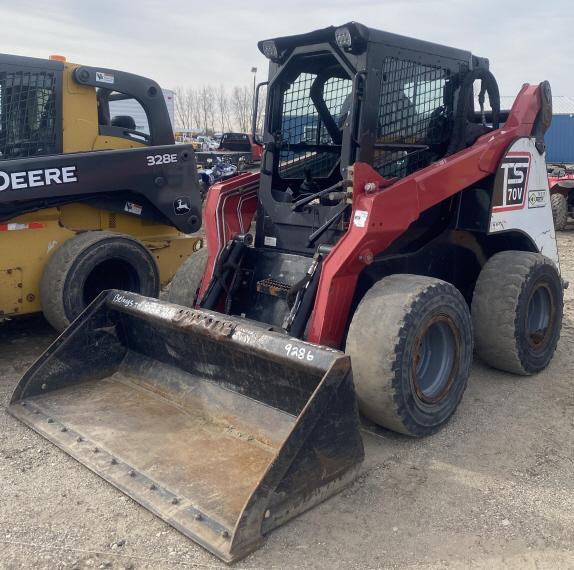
392, 226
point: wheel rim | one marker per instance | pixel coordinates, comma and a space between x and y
436, 355
539, 317
110, 274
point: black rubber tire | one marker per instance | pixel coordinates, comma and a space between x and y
187, 279
89, 263
384, 343
500, 310
559, 211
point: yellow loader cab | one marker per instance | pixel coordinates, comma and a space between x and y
87, 202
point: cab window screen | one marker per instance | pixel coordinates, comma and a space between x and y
27, 114
302, 125
412, 111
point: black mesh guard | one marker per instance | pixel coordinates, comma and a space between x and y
412, 116
27, 114
302, 125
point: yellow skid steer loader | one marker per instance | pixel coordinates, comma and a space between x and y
87, 201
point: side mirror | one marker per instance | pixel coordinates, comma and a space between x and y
255, 111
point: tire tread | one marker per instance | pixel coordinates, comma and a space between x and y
495, 308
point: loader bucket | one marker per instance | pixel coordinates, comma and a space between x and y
220, 427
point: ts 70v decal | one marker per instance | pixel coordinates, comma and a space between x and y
511, 183
521, 199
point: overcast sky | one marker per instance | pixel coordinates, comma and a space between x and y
191, 43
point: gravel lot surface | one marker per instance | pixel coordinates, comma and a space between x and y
495, 489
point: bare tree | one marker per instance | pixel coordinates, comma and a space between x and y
197, 110
184, 107
207, 108
241, 100
223, 109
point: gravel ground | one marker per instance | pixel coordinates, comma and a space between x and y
494, 489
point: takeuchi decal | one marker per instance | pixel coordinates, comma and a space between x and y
511, 182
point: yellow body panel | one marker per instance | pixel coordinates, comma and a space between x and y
24, 252
107, 143
79, 113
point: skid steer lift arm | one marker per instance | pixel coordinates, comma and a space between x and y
112, 83
162, 180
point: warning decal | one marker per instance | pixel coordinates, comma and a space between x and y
102, 77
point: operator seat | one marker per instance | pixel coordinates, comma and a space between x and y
124, 122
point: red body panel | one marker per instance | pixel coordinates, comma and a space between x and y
561, 184
256, 150
229, 210
390, 209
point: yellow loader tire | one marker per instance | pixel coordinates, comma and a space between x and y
90, 263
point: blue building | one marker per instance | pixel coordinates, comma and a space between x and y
560, 137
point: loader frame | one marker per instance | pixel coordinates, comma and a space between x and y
383, 208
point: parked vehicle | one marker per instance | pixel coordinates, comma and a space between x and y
242, 142
183, 137
87, 199
207, 143
239, 149
561, 183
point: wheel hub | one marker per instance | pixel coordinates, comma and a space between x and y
539, 317
435, 357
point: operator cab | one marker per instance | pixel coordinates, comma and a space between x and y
335, 97
341, 95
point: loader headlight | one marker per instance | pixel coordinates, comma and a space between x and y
343, 38
269, 49
351, 38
